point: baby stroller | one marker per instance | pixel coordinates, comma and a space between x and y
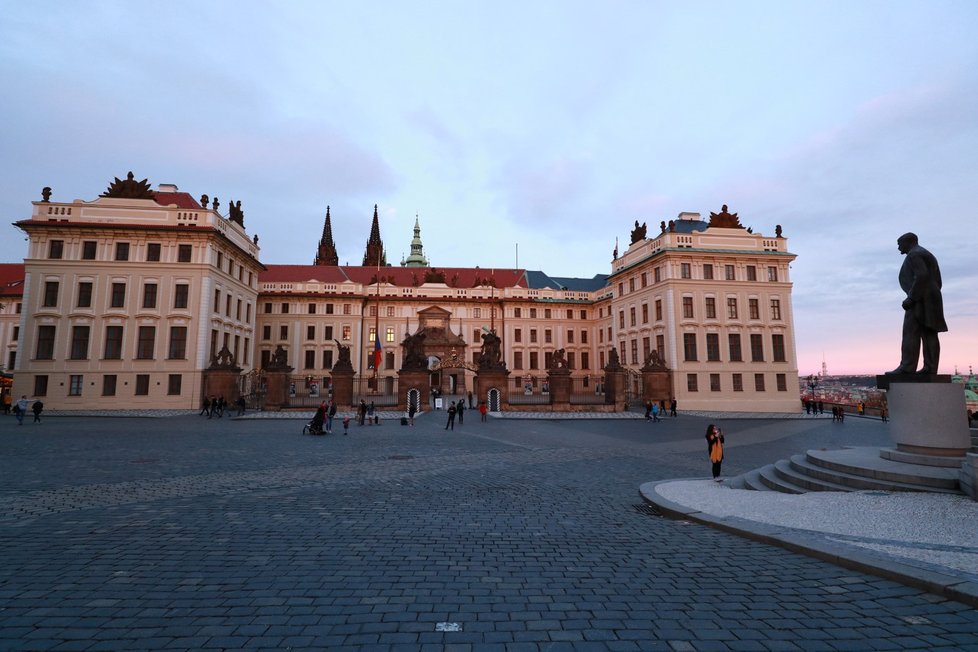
315, 427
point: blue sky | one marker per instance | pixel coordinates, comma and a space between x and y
545, 128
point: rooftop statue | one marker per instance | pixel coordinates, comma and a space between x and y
638, 233
129, 189
923, 316
725, 220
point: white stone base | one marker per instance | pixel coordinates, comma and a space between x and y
929, 418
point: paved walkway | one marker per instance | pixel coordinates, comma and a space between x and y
924, 540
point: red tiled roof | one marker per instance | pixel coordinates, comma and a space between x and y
181, 199
11, 279
461, 277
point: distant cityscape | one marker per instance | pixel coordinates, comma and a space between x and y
849, 391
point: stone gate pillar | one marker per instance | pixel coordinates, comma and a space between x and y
615, 380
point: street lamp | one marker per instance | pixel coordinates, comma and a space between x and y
812, 384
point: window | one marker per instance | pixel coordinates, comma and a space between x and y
570, 336
122, 251
645, 313
327, 359
687, 307
178, 343
108, 384
184, 253
174, 383
772, 273
534, 364
312, 309
583, 336
347, 309
776, 309
713, 347
570, 315
660, 346
79, 342
548, 359
220, 260
658, 309
142, 384
708, 272
711, 308
631, 316
518, 360
585, 360
310, 332
756, 348
113, 343
85, 294
283, 332
45, 343
389, 359
584, 314
758, 382
782, 382
621, 319
310, 360
533, 313
733, 342
731, 307
41, 385
285, 308
684, 270
266, 357
372, 311
777, 347
475, 335
328, 334
631, 285
372, 334
153, 252
237, 310
571, 360
248, 312
181, 293
329, 309
88, 249
634, 350
714, 382
517, 312
56, 249
689, 347
646, 348
657, 274
50, 294
149, 295
146, 342
621, 289
533, 336
390, 311
645, 279
346, 332
728, 271
389, 334
268, 308
118, 298
738, 382
751, 273
691, 383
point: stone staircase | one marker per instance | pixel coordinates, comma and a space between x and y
853, 469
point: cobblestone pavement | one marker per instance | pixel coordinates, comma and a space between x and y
184, 533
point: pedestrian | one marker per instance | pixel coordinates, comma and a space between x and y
330, 414
885, 415
648, 410
7, 402
21, 409
37, 408
412, 410
206, 409
470, 404
461, 411
808, 407
451, 416
370, 414
346, 425
221, 403
821, 407
655, 413
361, 411
662, 407
674, 405
483, 410
241, 406
714, 445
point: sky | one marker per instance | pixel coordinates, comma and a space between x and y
529, 134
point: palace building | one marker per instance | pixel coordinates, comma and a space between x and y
129, 299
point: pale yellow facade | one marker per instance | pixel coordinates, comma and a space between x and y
126, 301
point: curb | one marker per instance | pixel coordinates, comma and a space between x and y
813, 544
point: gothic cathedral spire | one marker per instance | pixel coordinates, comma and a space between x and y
374, 254
326, 254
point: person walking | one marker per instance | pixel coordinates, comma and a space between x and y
483, 410
451, 417
714, 445
206, 409
461, 411
655, 413
470, 403
21, 409
412, 410
37, 408
674, 405
330, 414
361, 412
7, 402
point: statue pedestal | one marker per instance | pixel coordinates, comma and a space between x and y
560, 386
657, 386
342, 387
927, 416
277, 388
614, 387
413, 379
487, 380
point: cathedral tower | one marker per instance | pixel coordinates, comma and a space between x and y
326, 254
374, 254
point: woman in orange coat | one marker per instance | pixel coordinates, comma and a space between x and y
714, 445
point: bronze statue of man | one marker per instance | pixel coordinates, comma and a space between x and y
923, 318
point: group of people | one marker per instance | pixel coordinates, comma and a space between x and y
21, 406
322, 420
457, 409
654, 410
214, 406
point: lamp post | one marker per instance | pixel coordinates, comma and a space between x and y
812, 384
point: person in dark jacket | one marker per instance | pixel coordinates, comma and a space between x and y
451, 417
37, 408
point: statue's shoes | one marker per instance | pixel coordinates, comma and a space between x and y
899, 371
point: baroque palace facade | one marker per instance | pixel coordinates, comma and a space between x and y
126, 300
